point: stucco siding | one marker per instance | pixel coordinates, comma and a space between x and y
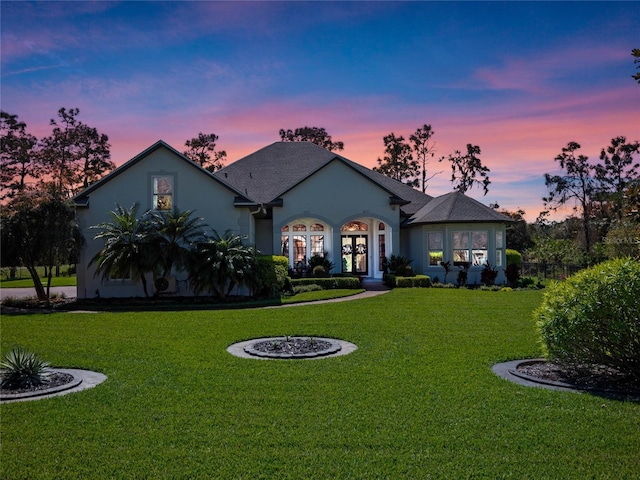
192, 190
335, 195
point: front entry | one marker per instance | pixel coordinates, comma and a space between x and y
354, 254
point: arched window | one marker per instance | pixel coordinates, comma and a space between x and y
302, 240
355, 227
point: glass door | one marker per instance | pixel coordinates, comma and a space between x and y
355, 254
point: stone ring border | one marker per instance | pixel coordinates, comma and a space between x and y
338, 348
509, 371
82, 380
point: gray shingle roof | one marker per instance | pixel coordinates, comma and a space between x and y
265, 175
456, 207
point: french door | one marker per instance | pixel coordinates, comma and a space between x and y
355, 254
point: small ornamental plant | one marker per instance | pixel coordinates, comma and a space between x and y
22, 369
594, 317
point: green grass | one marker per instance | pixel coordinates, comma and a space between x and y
28, 282
320, 295
416, 400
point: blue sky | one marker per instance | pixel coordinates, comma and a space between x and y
519, 79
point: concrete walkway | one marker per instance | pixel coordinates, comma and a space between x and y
69, 292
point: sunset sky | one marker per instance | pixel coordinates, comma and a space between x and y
519, 79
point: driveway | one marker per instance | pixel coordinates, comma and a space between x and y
69, 292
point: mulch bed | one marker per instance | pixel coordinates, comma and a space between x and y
57, 379
597, 378
293, 346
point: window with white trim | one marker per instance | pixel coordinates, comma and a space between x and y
163, 192
301, 240
470, 248
499, 248
434, 244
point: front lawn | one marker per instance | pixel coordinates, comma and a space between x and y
416, 400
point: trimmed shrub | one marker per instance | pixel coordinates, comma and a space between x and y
23, 369
328, 283
594, 317
271, 275
320, 261
395, 281
404, 271
320, 272
513, 256
306, 288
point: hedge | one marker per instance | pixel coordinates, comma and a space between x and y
513, 256
272, 271
395, 281
328, 283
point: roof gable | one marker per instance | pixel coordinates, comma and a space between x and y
456, 207
83, 197
272, 171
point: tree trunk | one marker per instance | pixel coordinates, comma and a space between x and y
143, 279
37, 283
48, 296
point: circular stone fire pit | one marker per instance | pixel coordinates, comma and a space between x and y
293, 347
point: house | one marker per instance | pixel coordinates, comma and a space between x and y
297, 199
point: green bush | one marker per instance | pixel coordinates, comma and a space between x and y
328, 283
22, 369
320, 261
594, 317
271, 275
320, 272
306, 288
404, 271
396, 281
513, 256
392, 263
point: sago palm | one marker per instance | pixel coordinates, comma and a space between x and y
128, 250
176, 234
221, 263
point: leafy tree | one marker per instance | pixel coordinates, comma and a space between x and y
555, 251
94, 154
221, 263
631, 197
636, 54
74, 154
576, 184
128, 249
465, 169
18, 155
317, 135
424, 148
616, 172
176, 235
518, 233
623, 240
39, 228
398, 162
202, 150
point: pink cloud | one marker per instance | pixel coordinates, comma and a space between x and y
533, 74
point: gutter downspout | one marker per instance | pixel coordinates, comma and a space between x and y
260, 210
